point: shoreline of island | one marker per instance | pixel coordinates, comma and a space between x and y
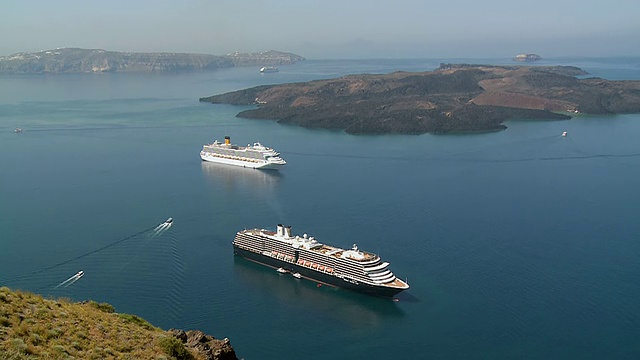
453, 98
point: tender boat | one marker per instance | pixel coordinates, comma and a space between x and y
269, 69
297, 275
282, 270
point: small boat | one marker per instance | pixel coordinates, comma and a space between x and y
297, 275
18, 130
564, 134
79, 274
269, 69
168, 221
282, 270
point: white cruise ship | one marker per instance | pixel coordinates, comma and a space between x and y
257, 156
305, 257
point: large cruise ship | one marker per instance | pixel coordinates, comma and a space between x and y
304, 256
257, 156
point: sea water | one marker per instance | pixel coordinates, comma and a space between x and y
517, 244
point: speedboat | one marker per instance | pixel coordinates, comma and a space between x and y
297, 275
282, 270
169, 221
79, 274
18, 130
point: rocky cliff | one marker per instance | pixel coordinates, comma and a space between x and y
73, 60
32, 327
453, 98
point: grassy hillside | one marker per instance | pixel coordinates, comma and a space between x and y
32, 327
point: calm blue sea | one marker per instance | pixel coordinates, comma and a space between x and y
517, 244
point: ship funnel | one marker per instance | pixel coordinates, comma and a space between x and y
287, 231
280, 230
227, 140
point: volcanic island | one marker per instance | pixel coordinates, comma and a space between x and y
452, 98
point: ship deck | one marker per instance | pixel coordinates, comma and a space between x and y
324, 249
397, 283
337, 253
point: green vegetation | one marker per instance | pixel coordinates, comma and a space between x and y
34, 328
175, 348
104, 307
137, 320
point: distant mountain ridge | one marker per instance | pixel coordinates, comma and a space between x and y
76, 60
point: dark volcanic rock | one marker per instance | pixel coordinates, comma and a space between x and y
452, 98
205, 345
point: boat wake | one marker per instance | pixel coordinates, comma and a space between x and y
175, 296
75, 277
161, 229
34, 275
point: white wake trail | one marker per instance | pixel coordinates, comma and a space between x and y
164, 229
66, 281
158, 230
74, 280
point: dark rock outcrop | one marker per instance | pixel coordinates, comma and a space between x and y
73, 60
206, 345
453, 98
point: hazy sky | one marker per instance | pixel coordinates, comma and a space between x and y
327, 28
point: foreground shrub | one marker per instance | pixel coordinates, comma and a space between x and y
175, 348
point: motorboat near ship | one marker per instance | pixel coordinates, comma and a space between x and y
304, 256
269, 69
257, 156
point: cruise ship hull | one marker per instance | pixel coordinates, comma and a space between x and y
265, 165
381, 290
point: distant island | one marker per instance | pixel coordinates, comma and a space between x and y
32, 327
527, 58
453, 98
75, 60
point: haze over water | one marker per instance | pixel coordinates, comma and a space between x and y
516, 244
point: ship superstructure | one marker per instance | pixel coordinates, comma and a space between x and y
353, 269
257, 156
